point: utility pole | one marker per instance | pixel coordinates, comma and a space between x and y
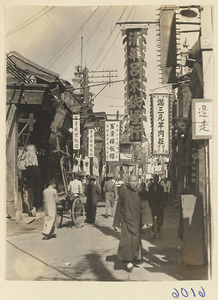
101, 75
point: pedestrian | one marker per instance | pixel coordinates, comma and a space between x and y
50, 198
75, 187
156, 202
130, 216
166, 185
149, 183
92, 191
111, 194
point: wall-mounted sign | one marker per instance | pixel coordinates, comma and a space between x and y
202, 119
91, 142
76, 132
135, 47
112, 140
160, 117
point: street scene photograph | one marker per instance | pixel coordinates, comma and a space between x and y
109, 126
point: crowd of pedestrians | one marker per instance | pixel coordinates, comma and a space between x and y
130, 213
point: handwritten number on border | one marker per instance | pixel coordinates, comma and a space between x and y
185, 294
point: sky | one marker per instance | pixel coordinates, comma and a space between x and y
60, 38
53, 37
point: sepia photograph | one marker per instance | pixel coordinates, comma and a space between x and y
109, 143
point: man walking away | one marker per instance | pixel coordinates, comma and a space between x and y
75, 187
156, 202
111, 194
50, 198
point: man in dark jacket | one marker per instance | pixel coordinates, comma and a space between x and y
130, 216
156, 202
91, 191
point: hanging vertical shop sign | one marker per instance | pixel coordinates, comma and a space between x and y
112, 140
135, 47
168, 53
202, 112
86, 165
91, 142
76, 132
160, 120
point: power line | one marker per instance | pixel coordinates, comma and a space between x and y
114, 41
24, 24
106, 40
47, 30
90, 86
26, 21
69, 42
87, 40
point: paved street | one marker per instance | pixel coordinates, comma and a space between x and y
89, 253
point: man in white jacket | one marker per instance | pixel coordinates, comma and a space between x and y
50, 198
75, 187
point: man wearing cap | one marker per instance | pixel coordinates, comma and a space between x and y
111, 194
130, 216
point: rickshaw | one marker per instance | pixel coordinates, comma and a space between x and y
70, 206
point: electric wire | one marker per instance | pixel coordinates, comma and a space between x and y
21, 27
60, 35
106, 41
87, 40
114, 41
56, 36
10, 31
69, 42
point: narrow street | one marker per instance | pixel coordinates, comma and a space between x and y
90, 253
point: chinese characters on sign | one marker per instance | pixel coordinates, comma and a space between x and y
135, 79
91, 142
202, 111
160, 104
76, 132
112, 140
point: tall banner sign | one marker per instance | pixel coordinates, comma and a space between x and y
202, 114
91, 142
112, 140
76, 132
135, 47
160, 120
167, 43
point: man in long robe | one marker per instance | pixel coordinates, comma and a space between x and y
130, 214
91, 191
50, 198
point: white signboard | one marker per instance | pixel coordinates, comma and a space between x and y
95, 166
91, 142
86, 165
202, 112
112, 140
160, 124
76, 132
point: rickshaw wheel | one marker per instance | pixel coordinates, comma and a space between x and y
59, 218
78, 213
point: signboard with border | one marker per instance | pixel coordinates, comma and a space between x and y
202, 119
